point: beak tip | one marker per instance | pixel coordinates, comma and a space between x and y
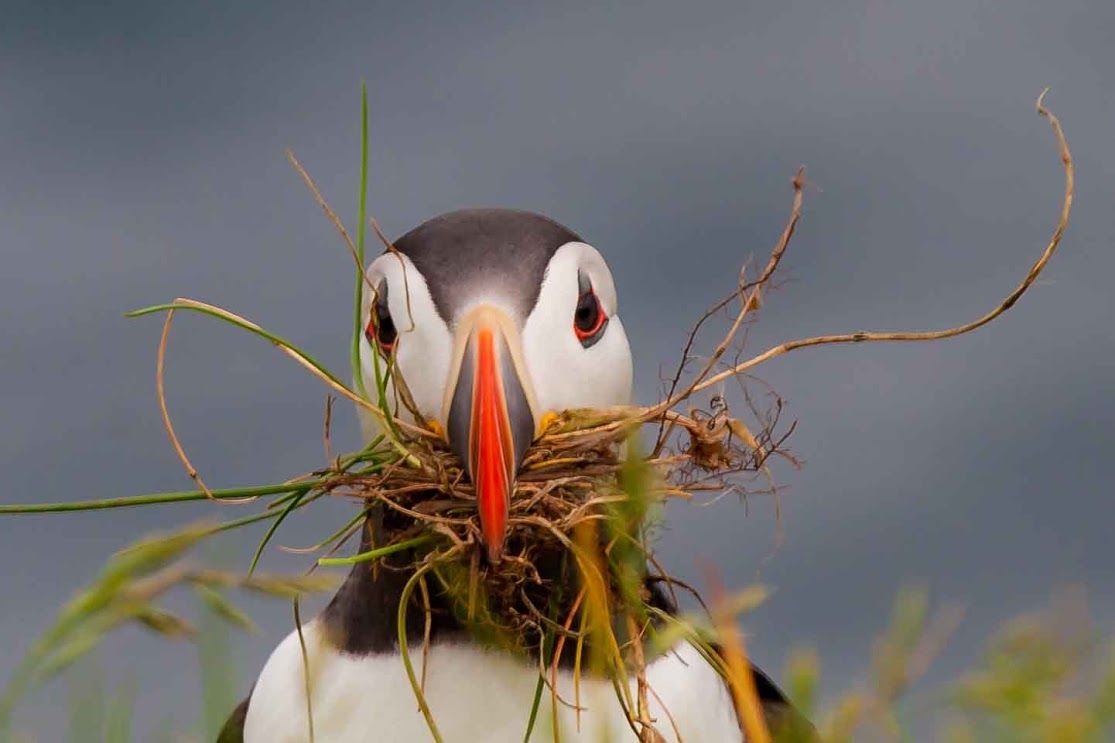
494, 538
495, 552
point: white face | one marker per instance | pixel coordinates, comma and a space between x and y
561, 366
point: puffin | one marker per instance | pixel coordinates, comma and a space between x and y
496, 319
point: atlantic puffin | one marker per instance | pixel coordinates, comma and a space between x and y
495, 317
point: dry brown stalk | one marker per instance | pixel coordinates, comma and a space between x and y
160, 391
932, 335
740, 679
328, 210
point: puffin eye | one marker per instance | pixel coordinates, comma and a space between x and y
589, 319
381, 330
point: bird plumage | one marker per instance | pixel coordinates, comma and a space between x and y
521, 279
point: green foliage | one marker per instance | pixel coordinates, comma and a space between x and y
126, 592
87, 702
98, 714
361, 232
626, 520
118, 716
1041, 678
803, 672
220, 684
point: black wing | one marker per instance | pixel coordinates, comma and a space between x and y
233, 730
786, 724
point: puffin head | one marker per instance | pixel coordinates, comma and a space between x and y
494, 319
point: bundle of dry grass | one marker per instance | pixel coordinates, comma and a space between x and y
582, 514
585, 500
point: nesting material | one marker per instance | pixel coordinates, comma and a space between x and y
583, 477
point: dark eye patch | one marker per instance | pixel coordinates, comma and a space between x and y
589, 318
381, 330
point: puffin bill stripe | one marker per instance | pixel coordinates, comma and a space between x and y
491, 447
490, 421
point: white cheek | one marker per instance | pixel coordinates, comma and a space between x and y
423, 359
610, 361
566, 375
424, 347
619, 380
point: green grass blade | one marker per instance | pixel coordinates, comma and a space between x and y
404, 651
156, 498
218, 672
381, 412
251, 328
253, 518
376, 553
361, 231
295, 502
119, 714
87, 701
536, 702
338, 534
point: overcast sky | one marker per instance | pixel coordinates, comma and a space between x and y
141, 159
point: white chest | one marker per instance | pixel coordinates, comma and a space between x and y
476, 696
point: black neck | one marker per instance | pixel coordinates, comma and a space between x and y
363, 616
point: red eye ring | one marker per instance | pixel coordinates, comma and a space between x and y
373, 339
380, 330
589, 318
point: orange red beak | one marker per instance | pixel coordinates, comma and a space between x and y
489, 422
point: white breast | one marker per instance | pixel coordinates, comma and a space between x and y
476, 696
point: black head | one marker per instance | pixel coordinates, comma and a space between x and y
460, 251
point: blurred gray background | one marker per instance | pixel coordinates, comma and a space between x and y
141, 158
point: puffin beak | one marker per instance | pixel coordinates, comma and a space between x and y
489, 417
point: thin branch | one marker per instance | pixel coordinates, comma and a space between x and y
932, 335
390, 248
327, 430
329, 213
747, 305
305, 360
